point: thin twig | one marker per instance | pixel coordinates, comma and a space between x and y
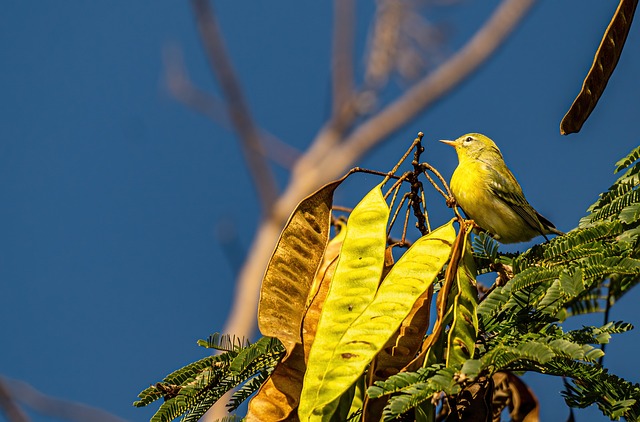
9, 407
406, 154
435, 185
341, 208
396, 184
395, 214
237, 107
417, 188
394, 197
433, 170
406, 219
426, 213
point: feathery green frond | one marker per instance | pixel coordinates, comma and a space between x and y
562, 245
592, 384
264, 346
248, 389
625, 162
533, 276
192, 390
485, 246
414, 388
223, 342
615, 206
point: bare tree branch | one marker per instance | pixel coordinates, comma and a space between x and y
323, 162
182, 89
56, 408
237, 107
179, 85
9, 406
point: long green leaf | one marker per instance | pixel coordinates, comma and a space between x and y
464, 328
362, 340
353, 287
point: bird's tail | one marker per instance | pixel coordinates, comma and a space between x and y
548, 226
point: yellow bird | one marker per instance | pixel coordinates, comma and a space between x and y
487, 191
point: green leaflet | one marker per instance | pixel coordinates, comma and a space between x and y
334, 368
464, 328
353, 287
631, 158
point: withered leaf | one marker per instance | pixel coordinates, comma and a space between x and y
604, 63
278, 398
293, 265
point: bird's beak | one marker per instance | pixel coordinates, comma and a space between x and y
450, 143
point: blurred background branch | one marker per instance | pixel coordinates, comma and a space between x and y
14, 391
236, 105
9, 407
181, 88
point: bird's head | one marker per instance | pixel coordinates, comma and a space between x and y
474, 146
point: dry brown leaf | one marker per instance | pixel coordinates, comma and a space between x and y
311, 318
604, 63
277, 400
473, 403
293, 265
510, 390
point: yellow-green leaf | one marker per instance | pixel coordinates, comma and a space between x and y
344, 360
464, 328
293, 265
434, 345
320, 289
399, 350
353, 287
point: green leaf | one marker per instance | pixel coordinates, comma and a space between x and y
464, 327
353, 287
223, 342
630, 214
337, 365
251, 352
625, 162
572, 285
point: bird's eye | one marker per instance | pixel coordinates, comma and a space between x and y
468, 140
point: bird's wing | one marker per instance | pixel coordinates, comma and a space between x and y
549, 225
506, 188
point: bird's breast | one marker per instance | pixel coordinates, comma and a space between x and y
471, 186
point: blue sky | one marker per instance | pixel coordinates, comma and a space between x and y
114, 194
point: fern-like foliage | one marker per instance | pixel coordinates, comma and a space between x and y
410, 389
591, 384
485, 252
584, 271
190, 391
